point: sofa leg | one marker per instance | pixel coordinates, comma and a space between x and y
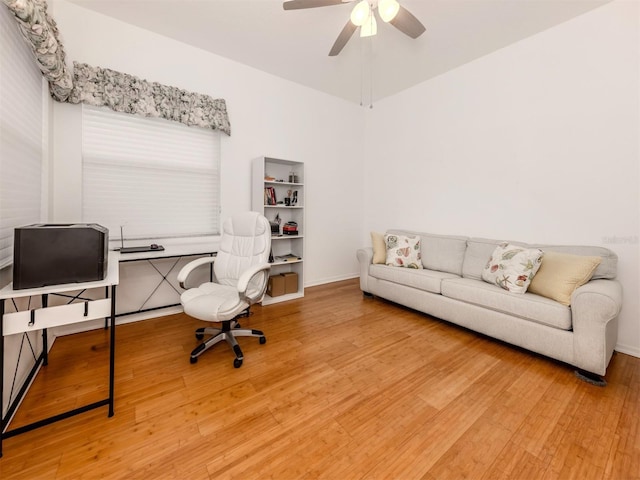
367, 295
591, 378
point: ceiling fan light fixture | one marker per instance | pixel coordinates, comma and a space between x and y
369, 27
388, 9
363, 15
360, 13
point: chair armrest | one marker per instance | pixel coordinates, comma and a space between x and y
247, 276
190, 267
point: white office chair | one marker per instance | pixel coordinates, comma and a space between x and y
241, 272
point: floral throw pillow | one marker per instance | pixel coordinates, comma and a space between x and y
403, 251
512, 268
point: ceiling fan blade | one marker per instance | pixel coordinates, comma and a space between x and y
298, 4
342, 39
407, 23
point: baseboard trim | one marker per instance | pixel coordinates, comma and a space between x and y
628, 350
338, 278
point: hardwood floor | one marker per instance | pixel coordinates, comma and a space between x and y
346, 387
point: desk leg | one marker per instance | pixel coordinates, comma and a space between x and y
45, 341
1, 373
106, 295
112, 355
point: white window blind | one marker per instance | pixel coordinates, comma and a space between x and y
21, 135
153, 177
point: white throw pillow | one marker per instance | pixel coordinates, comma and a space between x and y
403, 251
512, 267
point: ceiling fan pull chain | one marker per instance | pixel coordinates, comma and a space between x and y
371, 73
362, 73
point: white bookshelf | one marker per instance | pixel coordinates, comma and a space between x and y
282, 177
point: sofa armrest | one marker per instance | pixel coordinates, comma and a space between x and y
607, 294
594, 309
365, 258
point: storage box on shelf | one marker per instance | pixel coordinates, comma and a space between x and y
282, 284
278, 193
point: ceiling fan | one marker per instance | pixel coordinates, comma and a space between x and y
362, 16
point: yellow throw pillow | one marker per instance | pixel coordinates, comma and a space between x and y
379, 248
561, 273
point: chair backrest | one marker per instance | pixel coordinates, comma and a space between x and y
245, 241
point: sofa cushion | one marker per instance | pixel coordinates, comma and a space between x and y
479, 250
561, 273
444, 253
477, 255
528, 305
512, 267
403, 250
608, 267
427, 280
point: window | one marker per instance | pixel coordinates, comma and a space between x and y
21, 135
152, 177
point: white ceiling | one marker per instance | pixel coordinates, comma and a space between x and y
294, 44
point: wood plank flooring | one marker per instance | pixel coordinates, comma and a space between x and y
346, 387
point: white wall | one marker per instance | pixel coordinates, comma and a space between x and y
536, 142
269, 116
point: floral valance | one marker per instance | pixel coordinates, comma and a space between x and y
41, 33
129, 94
103, 87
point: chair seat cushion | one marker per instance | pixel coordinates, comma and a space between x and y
212, 302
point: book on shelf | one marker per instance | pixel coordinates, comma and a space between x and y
269, 196
289, 257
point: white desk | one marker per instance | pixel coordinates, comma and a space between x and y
47, 317
179, 250
41, 319
174, 252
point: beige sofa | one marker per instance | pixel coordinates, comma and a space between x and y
450, 287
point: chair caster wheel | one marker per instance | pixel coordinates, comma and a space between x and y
237, 363
263, 340
193, 360
199, 336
